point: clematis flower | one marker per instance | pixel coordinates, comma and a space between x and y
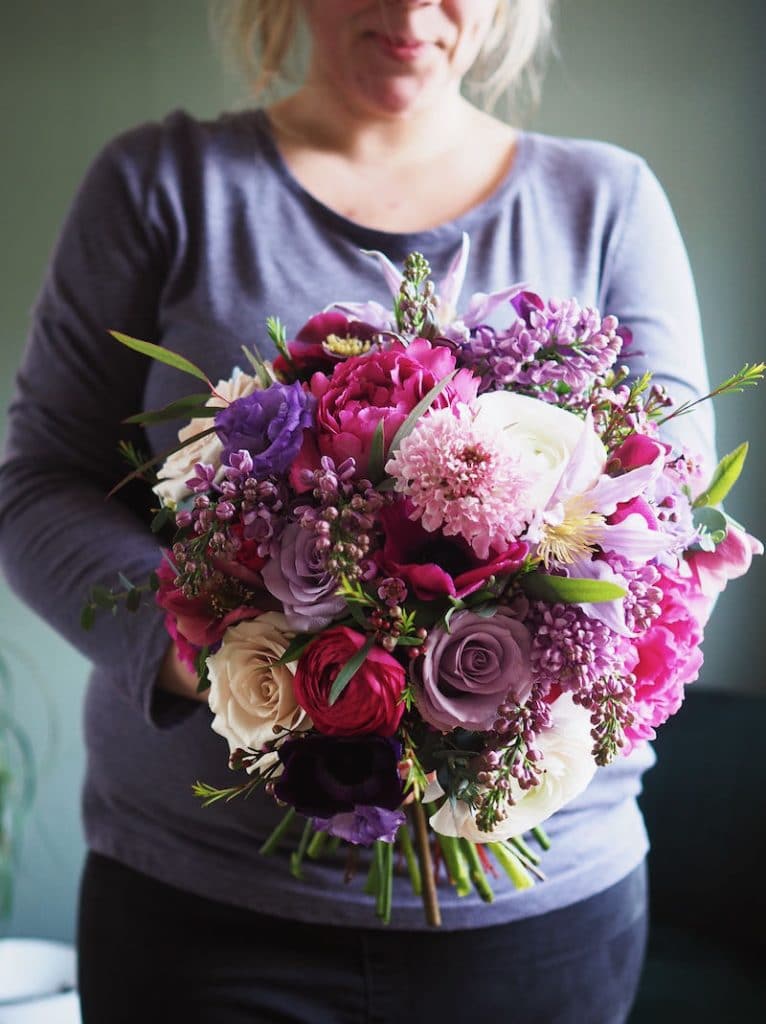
587, 510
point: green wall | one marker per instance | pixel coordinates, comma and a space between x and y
679, 82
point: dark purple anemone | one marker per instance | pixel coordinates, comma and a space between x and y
328, 775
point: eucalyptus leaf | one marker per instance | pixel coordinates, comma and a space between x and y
189, 407
724, 477
162, 355
570, 591
102, 597
88, 616
423, 405
711, 523
348, 671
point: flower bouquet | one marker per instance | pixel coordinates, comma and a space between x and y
435, 569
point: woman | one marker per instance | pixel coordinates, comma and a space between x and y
191, 234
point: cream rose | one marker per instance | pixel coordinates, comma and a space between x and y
543, 435
179, 466
569, 767
249, 693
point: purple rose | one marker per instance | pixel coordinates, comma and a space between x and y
328, 775
269, 424
464, 675
363, 826
296, 576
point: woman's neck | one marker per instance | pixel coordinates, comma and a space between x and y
316, 119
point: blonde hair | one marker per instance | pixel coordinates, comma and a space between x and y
258, 35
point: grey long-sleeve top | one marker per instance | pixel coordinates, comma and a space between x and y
190, 234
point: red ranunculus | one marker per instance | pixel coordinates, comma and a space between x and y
369, 704
384, 385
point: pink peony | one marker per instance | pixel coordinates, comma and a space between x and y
669, 657
382, 386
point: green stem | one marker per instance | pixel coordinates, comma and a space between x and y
388, 881
542, 837
317, 845
405, 841
372, 885
511, 865
275, 838
524, 850
296, 858
476, 871
453, 858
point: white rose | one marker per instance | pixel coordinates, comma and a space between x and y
249, 694
543, 435
179, 466
568, 768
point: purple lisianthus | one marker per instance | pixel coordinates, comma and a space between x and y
296, 575
466, 673
269, 424
328, 775
363, 826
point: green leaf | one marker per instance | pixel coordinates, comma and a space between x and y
88, 616
163, 517
133, 600
102, 597
423, 405
377, 453
200, 664
570, 591
295, 648
162, 355
348, 671
409, 641
183, 408
154, 581
265, 379
725, 476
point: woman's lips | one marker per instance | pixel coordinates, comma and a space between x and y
400, 48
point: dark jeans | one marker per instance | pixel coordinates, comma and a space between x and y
151, 952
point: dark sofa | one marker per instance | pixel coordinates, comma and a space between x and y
705, 807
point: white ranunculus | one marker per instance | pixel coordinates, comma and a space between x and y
249, 694
569, 767
179, 466
542, 435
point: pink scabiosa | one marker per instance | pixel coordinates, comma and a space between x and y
461, 478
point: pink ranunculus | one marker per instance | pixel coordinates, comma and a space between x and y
382, 386
192, 622
732, 557
669, 657
433, 565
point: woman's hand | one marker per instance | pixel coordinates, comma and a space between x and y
175, 677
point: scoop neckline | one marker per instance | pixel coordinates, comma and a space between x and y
367, 235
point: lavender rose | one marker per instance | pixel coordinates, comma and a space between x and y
296, 576
464, 675
269, 424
